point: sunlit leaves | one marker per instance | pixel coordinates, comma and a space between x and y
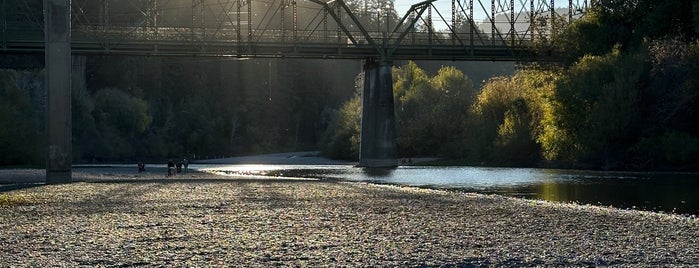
598, 111
431, 114
409, 82
511, 115
431, 111
453, 84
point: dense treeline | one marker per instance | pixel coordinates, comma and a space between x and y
133, 108
630, 98
623, 97
22, 99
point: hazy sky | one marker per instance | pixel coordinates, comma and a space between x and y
482, 11
444, 7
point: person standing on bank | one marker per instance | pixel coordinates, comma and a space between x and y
170, 168
186, 165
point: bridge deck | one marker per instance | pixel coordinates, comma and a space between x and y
277, 50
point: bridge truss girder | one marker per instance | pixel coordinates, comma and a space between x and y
506, 30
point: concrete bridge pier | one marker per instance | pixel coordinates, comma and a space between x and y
58, 91
378, 132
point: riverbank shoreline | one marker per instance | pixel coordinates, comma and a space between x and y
203, 219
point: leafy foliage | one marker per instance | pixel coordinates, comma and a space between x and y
150, 109
21, 118
510, 115
627, 97
624, 97
431, 112
341, 139
598, 108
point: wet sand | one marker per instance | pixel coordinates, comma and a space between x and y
111, 218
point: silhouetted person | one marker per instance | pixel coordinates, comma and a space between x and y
179, 167
186, 165
170, 168
141, 167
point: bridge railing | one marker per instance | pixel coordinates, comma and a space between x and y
230, 34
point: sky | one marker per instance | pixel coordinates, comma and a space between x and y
480, 12
444, 7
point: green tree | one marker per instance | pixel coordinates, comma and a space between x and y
668, 107
514, 144
597, 110
21, 118
411, 91
86, 138
341, 139
509, 117
120, 119
431, 112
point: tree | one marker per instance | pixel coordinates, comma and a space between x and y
341, 139
409, 83
86, 139
21, 124
596, 110
509, 117
375, 15
430, 112
120, 119
671, 135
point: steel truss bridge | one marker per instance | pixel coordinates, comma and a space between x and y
459, 30
274, 29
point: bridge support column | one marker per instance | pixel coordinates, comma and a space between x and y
58, 95
378, 133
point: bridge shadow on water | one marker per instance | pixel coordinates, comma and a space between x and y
378, 172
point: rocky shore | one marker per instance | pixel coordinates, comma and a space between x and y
127, 219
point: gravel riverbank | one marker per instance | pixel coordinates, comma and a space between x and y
199, 219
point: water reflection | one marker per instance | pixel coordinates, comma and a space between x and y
378, 173
666, 192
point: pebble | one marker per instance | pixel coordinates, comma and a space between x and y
211, 220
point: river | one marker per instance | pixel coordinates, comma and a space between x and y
662, 192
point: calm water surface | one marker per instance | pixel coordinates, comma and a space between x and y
663, 192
